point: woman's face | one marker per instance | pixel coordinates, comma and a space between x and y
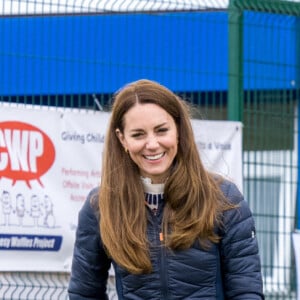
150, 135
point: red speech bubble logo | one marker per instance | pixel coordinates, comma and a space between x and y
26, 152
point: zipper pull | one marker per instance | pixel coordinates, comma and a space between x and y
161, 236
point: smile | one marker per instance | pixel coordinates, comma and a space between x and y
154, 157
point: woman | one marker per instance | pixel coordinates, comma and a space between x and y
171, 229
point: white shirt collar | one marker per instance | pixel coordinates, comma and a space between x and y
152, 188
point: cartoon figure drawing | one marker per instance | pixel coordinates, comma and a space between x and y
7, 209
20, 208
36, 211
49, 219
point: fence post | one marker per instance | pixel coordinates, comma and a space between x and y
235, 63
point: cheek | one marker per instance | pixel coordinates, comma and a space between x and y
171, 142
175, 150
134, 146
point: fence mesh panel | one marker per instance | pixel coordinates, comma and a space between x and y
270, 117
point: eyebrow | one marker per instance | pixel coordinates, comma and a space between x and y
157, 126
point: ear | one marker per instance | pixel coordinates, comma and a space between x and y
121, 138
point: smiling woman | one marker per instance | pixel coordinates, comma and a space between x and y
150, 137
159, 214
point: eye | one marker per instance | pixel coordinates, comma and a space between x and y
137, 135
162, 130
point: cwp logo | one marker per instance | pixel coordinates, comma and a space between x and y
26, 152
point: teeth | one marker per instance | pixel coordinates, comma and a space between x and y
153, 157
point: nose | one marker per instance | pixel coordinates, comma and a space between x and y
152, 142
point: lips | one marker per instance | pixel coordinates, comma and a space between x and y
154, 157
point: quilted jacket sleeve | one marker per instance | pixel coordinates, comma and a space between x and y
90, 264
239, 251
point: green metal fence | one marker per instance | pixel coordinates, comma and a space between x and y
270, 118
237, 62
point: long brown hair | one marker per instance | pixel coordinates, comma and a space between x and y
194, 201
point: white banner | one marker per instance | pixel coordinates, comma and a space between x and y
50, 159
220, 146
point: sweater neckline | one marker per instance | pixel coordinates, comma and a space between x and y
152, 188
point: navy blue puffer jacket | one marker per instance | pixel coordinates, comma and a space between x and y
228, 270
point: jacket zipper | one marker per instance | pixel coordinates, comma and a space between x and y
163, 268
156, 217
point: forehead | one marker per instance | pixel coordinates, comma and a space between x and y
148, 114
